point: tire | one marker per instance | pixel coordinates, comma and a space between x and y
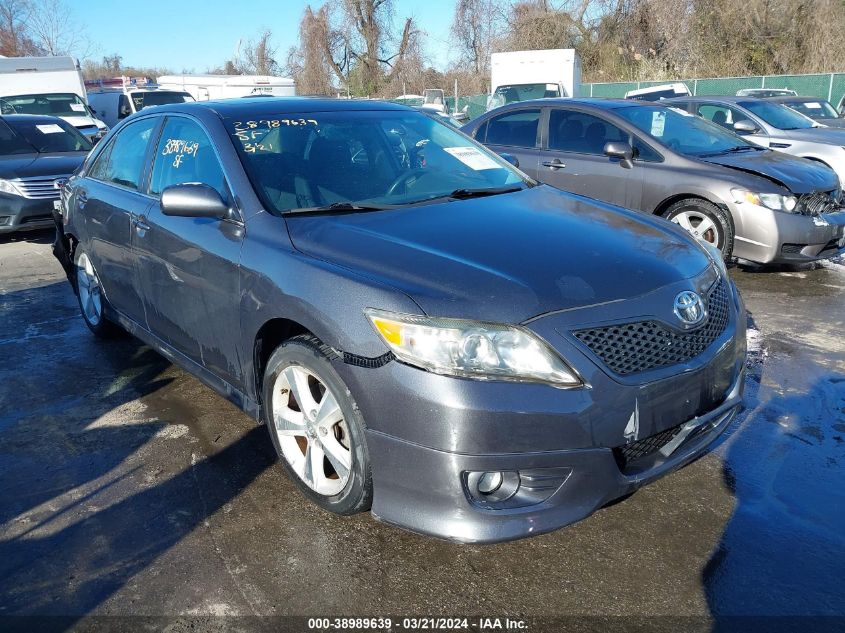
92, 300
694, 213
327, 459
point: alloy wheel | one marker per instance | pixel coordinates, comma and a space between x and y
90, 291
699, 225
311, 430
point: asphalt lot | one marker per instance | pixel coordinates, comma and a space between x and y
127, 487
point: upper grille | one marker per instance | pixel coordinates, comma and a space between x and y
818, 203
630, 348
39, 188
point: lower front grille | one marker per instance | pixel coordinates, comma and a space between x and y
629, 453
791, 249
629, 348
33, 219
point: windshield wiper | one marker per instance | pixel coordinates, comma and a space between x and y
463, 194
341, 206
732, 150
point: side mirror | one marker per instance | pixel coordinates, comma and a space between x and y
745, 127
513, 160
193, 200
621, 150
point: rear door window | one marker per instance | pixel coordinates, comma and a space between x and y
185, 154
574, 131
122, 162
514, 129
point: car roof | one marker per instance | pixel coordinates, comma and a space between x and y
596, 102
794, 99
33, 118
264, 106
723, 98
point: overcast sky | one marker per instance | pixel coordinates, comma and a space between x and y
197, 35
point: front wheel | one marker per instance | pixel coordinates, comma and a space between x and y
705, 222
316, 427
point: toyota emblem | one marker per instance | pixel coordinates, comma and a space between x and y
689, 308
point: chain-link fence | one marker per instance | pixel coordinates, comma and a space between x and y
830, 86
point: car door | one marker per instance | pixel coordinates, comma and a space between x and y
189, 266
515, 132
107, 200
573, 158
725, 116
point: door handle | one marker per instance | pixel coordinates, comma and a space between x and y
554, 164
141, 224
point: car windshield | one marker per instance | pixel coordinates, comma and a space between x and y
60, 104
143, 100
376, 159
43, 136
523, 92
683, 132
816, 109
777, 115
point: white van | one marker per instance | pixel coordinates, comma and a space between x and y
115, 99
48, 85
209, 87
656, 93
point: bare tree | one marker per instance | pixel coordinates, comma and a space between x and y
15, 38
258, 56
54, 30
307, 63
475, 27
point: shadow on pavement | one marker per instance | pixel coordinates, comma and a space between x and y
783, 550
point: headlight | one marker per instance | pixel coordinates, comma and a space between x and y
7, 186
459, 347
773, 201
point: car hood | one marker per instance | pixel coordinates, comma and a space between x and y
799, 175
506, 258
832, 135
834, 123
33, 165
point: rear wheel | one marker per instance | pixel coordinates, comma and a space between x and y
705, 222
316, 427
92, 301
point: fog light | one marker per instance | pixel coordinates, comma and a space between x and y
489, 483
4, 220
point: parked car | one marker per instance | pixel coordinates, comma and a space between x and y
322, 262
772, 125
820, 110
37, 156
748, 202
659, 93
766, 92
115, 99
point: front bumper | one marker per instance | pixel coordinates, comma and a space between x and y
765, 236
24, 214
425, 489
568, 450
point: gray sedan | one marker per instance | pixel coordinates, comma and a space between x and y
773, 125
423, 329
751, 203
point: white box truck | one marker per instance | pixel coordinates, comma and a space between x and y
48, 85
524, 75
208, 87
